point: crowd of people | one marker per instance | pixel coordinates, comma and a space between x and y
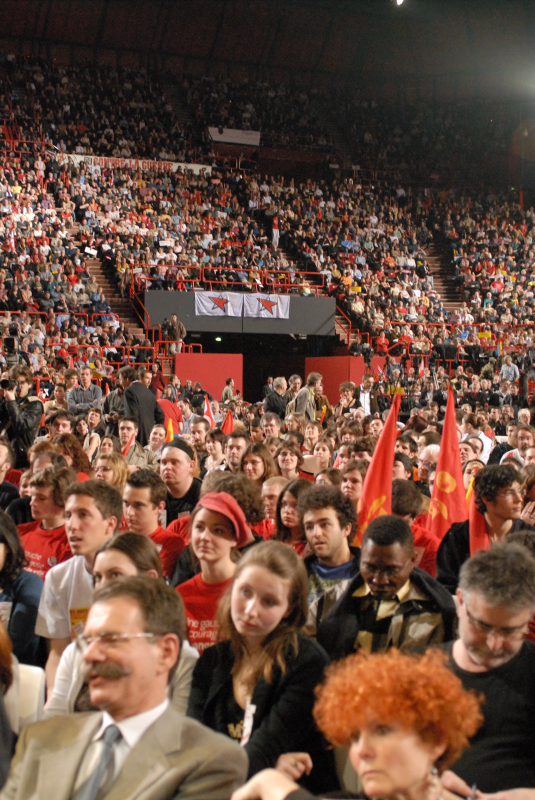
194, 566
250, 515
284, 115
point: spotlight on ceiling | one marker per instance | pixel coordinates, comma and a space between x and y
399, 2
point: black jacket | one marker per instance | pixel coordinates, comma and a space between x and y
20, 421
140, 403
338, 631
454, 550
282, 721
275, 403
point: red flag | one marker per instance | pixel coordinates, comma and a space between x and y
107, 388
228, 425
448, 503
170, 433
376, 497
421, 371
129, 445
207, 414
477, 527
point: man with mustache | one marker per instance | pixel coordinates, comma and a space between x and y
137, 746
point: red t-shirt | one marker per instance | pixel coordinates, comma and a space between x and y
426, 546
201, 600
43, 549
266, 529
169, 546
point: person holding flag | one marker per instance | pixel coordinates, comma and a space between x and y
495, 511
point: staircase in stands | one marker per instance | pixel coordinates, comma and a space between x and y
119, 305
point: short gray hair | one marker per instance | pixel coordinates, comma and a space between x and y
504, 576
279, 383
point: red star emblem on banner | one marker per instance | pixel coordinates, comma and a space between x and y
267, 304
219, 302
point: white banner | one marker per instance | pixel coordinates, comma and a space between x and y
218, 304
235, 136
271, 306
144, 164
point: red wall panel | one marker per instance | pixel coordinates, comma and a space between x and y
336, 370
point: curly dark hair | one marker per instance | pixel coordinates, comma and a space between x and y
491, 480
319, 497
15, 558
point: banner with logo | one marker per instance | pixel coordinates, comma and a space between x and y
268, 306
235, 136
144, 164
218, 304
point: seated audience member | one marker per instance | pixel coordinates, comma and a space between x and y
289, 528
19, 510
407, 504
44, 540
404, 720
498, 499
352, 479
67, 445
271, 425
171, 756
257, 463
391, 603
329, 520
156, 440
20, 592
8, 491
179, 470
218, 526
112, 469
402, 469
496, 597
289, 459
122, 556
93, 511
271, 490
324, 453
135, 454
199, 429
427, 458
262, 660
235, 447
247, 495
328, 477
525, 438
215, 447
144, 497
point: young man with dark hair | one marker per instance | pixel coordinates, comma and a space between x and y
177, 467
499, 499
44, 540
144, 497
20, 413
329, 520
93, 510
390, 603
136, 455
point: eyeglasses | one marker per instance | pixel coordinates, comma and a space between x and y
516, 632
110, 640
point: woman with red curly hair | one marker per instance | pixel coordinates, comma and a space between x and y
405, 719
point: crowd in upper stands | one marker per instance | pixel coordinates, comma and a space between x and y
250, 510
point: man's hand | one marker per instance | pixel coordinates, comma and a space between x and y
9, 394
